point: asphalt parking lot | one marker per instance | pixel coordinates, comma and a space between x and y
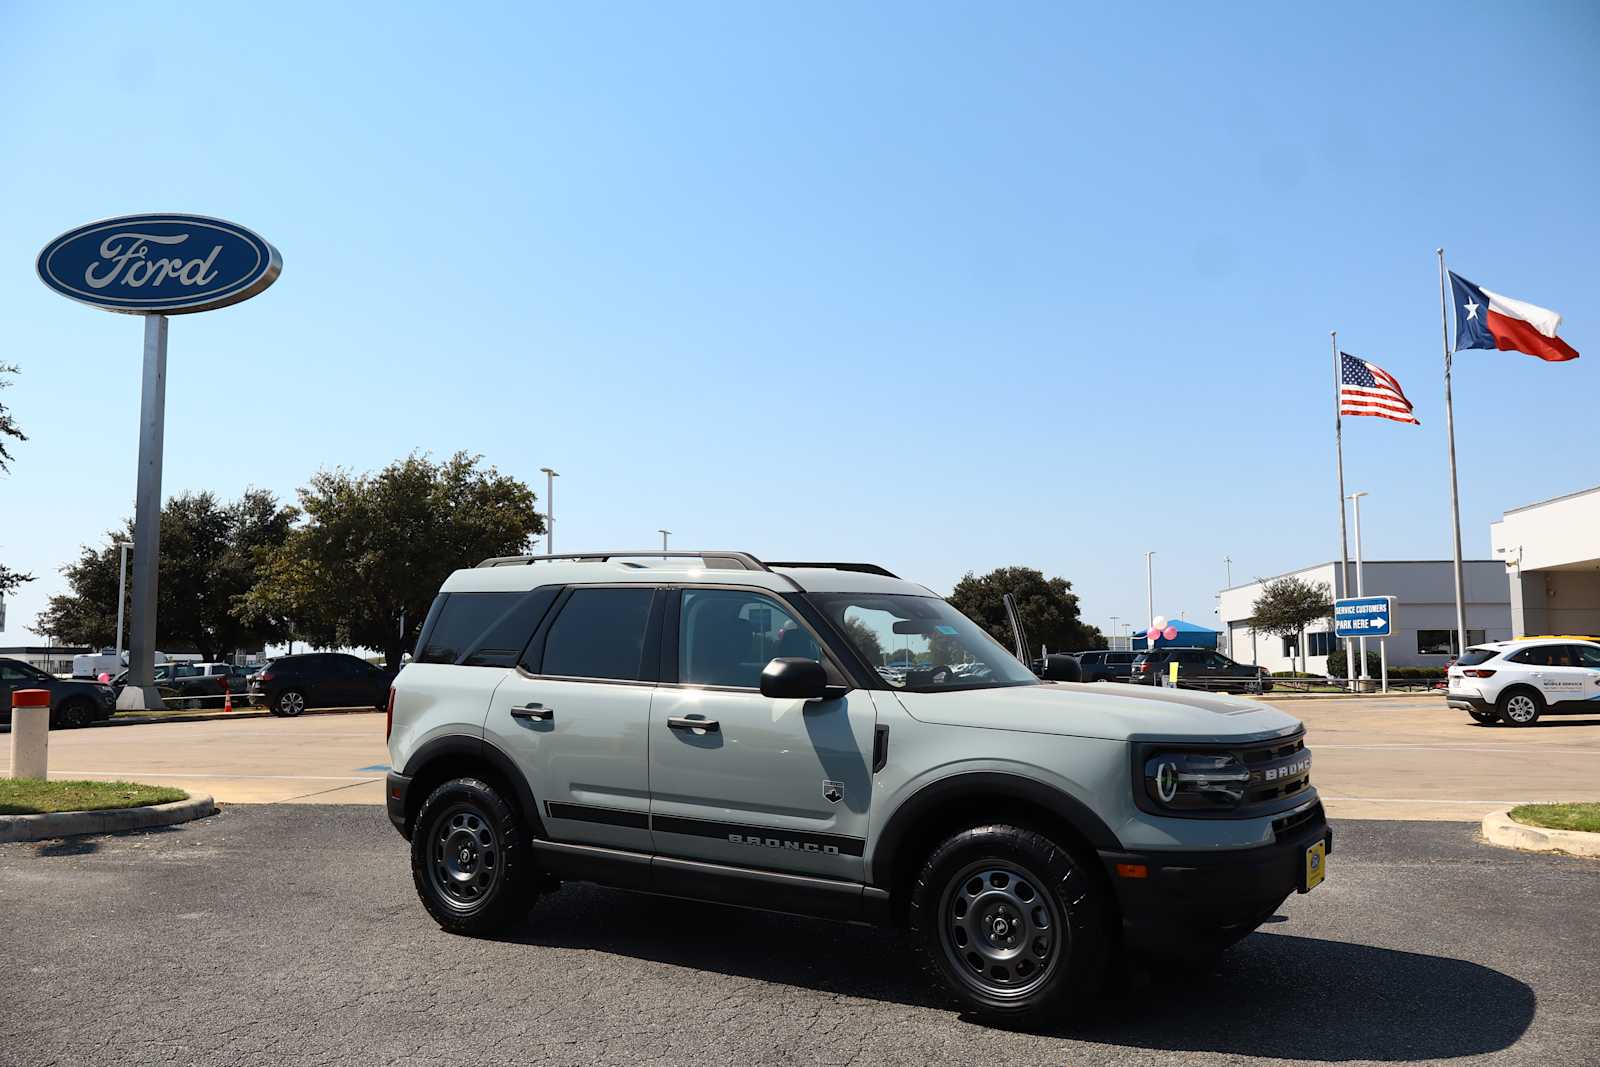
289, 934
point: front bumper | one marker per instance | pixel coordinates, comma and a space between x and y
395, 788
1194, 903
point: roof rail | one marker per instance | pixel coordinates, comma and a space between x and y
720, 559
859, 568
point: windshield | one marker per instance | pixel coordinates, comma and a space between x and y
922, 644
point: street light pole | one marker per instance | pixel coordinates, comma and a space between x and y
1149, 590
663, 534
1361, 586
1227, 561
550, 477
122, 592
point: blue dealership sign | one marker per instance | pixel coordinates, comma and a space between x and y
1363, 616
159, 264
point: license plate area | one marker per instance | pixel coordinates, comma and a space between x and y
1315, 867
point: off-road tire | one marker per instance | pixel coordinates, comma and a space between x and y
470, 814
963, 877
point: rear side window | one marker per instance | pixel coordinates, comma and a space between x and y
1474, 656
1537, 656
599, 634
484, 629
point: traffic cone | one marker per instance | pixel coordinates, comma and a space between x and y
227, 700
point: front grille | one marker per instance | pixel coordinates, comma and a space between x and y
1278, 769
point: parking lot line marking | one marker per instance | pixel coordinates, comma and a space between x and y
374, 767
323, 792
265, 777
1432, 800
1466, 747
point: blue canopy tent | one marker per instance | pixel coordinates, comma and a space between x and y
1189, 636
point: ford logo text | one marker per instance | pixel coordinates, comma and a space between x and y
159, 264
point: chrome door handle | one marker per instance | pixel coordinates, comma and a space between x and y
683, 722
537, 712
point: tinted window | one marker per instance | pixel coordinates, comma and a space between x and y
726, 637
488, 629
1537, 656
599, 634
1587, 656
1474, 656
1120, 657
1092, 657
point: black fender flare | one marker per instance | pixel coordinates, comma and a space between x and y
883, 853
476, 749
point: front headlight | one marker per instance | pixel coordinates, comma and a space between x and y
1195, 781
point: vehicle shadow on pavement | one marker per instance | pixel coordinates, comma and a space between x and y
1305, 998
1273, 995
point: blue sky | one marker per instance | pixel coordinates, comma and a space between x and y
944, 286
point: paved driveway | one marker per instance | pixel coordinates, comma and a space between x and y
1383, 758
288, 934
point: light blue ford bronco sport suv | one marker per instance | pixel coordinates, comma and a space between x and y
830, 740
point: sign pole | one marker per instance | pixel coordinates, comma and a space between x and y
1383, 660
141, 692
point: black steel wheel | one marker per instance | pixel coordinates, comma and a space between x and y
467, 858
1013, 925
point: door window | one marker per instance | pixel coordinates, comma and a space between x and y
727, 636
599, 634
1587, 656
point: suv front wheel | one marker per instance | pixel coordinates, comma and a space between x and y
1012, 924
466, 858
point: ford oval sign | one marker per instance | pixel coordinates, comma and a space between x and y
159, 264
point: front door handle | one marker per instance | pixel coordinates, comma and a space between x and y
537, 712
683, 722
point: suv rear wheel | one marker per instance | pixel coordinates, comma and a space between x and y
466, 858
290, 703
1013, 925
1520, 707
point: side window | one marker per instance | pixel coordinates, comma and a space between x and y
726, 637
599, 634
488, 629
1537, 656
1587, 656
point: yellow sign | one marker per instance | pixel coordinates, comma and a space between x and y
1172, 674
1316, 865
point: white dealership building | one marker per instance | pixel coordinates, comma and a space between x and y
1551, 552
1424, 615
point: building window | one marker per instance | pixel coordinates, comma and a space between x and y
1443, 642
1291, 646
1321, 643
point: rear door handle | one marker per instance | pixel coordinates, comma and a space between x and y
683, 722
537, 712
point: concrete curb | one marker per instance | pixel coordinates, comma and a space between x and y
74, 823
1499, 828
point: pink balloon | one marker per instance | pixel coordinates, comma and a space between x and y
1170, 633
1152, 635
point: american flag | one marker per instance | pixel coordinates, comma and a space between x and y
1367, 389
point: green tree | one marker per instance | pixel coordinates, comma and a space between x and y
1049, 608
374, 548
210, 554
9, 579
1336, 663
1287, 606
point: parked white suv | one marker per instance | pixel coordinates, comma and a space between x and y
1515, 682
706, 725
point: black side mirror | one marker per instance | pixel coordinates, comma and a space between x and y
796, 678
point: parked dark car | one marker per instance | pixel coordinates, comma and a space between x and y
1200, 668
1103, 665
322, 680
203, 685
72, 702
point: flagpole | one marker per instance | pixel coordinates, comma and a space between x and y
1344, 540
1450, 432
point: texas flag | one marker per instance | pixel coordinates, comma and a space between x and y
1489, 320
